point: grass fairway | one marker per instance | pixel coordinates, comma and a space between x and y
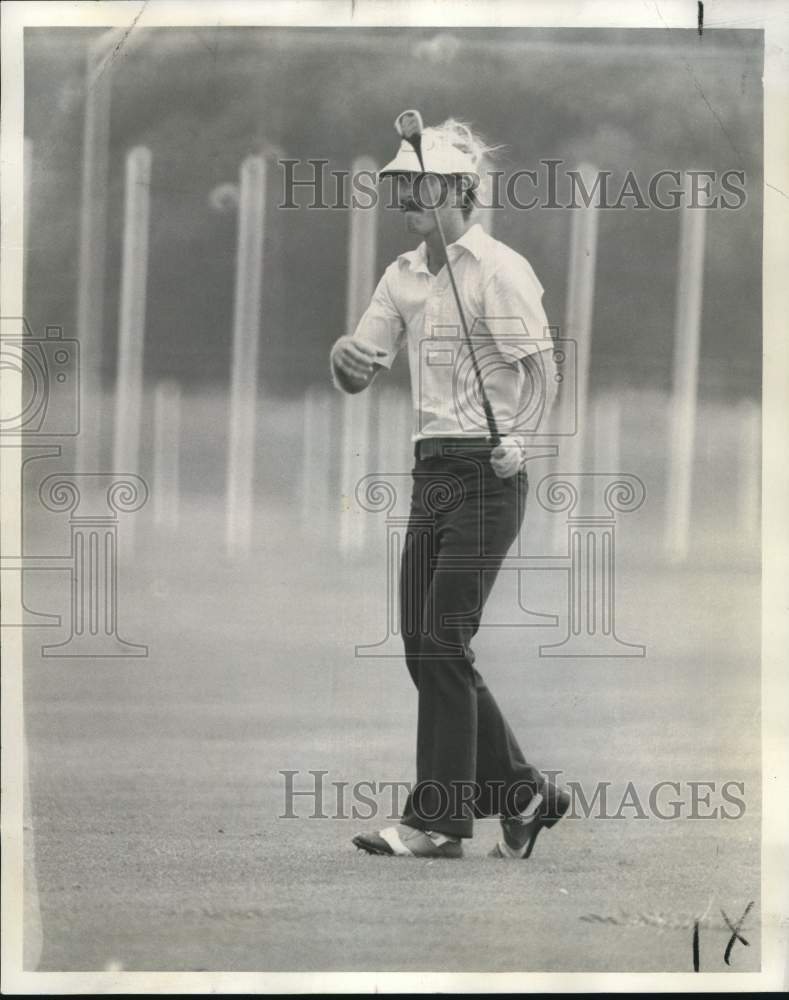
156, 792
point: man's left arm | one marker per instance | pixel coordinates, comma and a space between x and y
504, 388
518, 326
542, 372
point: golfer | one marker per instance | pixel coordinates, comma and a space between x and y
469, 496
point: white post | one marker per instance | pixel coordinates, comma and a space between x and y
356, 409
246, 330
92, 245
407, 420
131, 316
682, 416
317, 462
486, 218
749, 470
486, 192
381, 455
393, 451
393, 432
27, 183
606, 433
32, 935
484, 215
131, 323
166, 453
580, 307
579, 310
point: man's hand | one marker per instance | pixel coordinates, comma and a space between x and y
507, 457
354, 363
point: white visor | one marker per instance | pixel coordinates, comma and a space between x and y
440, 157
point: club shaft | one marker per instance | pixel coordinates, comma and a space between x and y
490, 418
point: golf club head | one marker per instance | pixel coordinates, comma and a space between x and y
409, 125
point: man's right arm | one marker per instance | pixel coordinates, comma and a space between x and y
353, 364
357, 359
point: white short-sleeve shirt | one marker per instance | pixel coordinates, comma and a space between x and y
502, 302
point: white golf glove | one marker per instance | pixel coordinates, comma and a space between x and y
507, 457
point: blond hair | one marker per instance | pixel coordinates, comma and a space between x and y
461, 135
482, 154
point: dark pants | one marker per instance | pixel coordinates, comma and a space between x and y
468, 760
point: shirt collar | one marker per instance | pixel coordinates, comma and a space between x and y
472, 240
416, 259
